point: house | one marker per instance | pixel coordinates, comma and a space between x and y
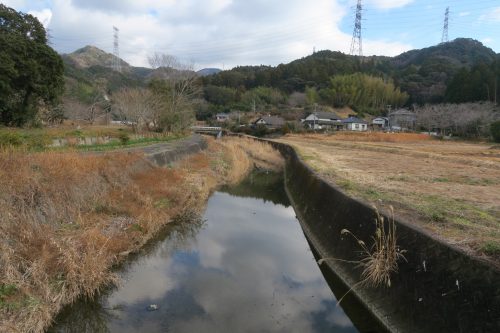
322, 120
355, 124
222, 117
380, 123
402, 119
270, 121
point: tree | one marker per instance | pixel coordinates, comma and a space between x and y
31, 72
140, 106
177, 86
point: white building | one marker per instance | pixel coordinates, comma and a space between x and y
355, 124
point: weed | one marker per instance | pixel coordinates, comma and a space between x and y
124, 138
491, 248
381, 259
162, 203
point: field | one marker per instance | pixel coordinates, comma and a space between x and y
450, 188
67, 217
78, 138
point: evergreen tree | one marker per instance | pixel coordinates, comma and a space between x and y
31, 72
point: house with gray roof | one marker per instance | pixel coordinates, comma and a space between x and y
270, 121
322, 120
355, 124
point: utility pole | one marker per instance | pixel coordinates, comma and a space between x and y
444, 38
356, 43
117, 66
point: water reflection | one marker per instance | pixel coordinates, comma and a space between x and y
248, 269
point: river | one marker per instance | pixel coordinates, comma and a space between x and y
245, 266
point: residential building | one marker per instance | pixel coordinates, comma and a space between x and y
222, 117
402, 119
380, 123
355, 124
270, 121
322, 120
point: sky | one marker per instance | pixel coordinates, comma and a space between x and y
228, 33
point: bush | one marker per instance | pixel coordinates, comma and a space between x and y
495, 131
124, 138
8, 139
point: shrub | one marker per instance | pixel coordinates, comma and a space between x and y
495, 130
124, 138
10, 139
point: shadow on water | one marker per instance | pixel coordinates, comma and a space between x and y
245, 266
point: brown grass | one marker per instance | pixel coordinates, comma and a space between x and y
380, 260
371, 137
67, 218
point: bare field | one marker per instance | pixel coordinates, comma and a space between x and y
450, 188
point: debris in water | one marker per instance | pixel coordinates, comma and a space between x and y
152, 307
425, 267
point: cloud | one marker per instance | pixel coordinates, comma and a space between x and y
209, 33
44, 16
493, 15
17, 4
389, 4
462, 14
487, 41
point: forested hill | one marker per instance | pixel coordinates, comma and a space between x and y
424, 74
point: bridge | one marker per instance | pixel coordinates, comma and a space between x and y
209, 130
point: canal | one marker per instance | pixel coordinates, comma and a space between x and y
245, 266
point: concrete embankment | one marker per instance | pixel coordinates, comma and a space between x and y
166, 153
439, 288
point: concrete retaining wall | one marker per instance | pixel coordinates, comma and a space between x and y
439, 289
167, 153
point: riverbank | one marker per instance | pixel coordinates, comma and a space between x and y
450, 189
437, 287
68, 217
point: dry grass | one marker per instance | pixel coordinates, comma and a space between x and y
372, 137
379, 261
67, 218
451, 189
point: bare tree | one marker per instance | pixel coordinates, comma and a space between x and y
139, 106
177, 84
467, 119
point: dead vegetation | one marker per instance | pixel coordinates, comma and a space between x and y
380, 260
451, 189
67, 218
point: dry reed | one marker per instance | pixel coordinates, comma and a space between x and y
68, 218
380, 260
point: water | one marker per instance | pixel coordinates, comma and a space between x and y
246, 267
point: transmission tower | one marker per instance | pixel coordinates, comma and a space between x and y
356, 44
444, 38
117, 66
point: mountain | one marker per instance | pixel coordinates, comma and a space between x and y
208, 71
424, 74
89, 56
459, 52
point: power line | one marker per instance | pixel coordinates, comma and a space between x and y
356, 43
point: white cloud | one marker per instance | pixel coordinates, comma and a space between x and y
209, 33
462, 14
487, 41
16, 4
493, 15
388, 4
44, 16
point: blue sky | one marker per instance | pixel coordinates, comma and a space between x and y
226, 33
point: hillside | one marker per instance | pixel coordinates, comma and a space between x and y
424, 73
